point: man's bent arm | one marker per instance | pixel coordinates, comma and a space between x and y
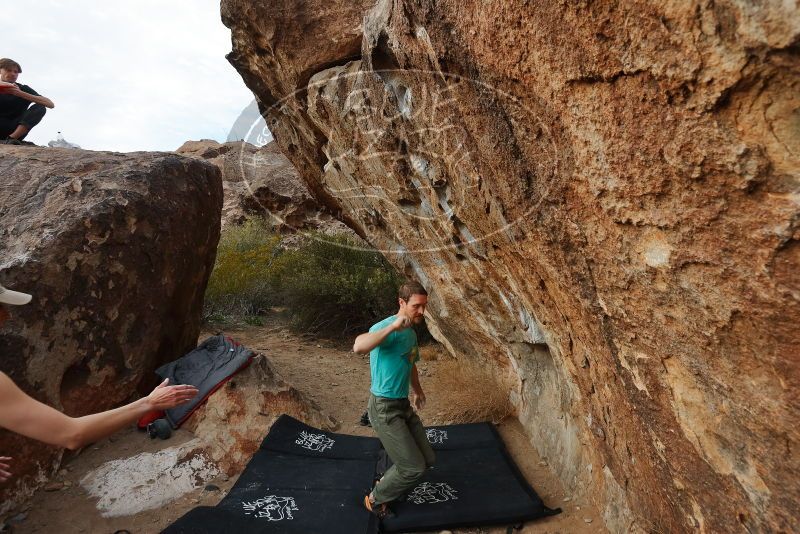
366, 342
36, 99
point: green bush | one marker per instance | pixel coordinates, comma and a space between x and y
333, 285
241, 282
328, 284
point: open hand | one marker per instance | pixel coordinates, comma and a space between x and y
5, 468
418, 401
165, 396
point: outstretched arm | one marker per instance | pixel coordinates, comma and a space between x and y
29, 417
366, 342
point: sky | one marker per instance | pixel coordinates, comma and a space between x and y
127, 76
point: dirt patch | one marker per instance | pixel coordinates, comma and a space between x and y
338, 381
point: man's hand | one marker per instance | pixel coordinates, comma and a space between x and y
418, 400
165, 396
5, 468
368, 341
401, 323
6, 87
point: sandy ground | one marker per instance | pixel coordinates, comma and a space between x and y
338, 381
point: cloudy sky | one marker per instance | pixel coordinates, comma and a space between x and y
144, 75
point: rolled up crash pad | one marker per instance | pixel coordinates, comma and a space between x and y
295, 437
207, 367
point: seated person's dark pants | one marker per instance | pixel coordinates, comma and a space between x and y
30, 118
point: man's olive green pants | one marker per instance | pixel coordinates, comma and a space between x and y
403, 436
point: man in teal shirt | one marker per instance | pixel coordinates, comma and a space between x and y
393, 353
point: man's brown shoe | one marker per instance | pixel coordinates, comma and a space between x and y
381, 511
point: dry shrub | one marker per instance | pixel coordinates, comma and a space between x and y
472, 393
431, 352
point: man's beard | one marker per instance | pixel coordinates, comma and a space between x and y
419, 327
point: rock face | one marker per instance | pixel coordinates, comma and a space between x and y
262, 182
231, 157
117, 250
233, 422
601, 198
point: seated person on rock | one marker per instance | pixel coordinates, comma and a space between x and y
29, 417
17, 115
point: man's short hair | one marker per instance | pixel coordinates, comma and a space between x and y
9, 64
411, 288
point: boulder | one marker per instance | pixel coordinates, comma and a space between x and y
234, 420
601, 199
263, 182
232, 158
116, 250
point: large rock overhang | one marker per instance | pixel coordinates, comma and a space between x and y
602, 200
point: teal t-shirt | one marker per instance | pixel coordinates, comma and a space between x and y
390, 362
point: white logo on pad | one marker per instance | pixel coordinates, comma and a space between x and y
271, 507
436, 436
428, 492
314, 442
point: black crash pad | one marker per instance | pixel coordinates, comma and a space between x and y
468, 488
304, 480
292, 436
281, 512
270, 469
313, 490
464, 436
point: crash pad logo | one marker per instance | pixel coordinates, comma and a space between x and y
436, 436
271, 507
314, 442
428, 492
